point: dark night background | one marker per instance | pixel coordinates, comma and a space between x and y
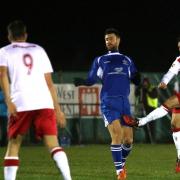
73, 33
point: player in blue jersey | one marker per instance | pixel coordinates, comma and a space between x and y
115, 71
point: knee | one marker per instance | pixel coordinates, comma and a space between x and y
167, 106
51, 142
116, 138
171, 102
128, 141
51, 146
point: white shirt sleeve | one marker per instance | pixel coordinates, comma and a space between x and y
167, 77
47, 67
173, 70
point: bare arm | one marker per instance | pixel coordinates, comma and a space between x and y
4, 81
59, 114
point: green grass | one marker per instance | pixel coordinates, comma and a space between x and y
94, 162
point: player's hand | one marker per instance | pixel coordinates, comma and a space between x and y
61, 119
79, 81
11, 108
162, 85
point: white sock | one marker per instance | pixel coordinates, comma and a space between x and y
61, 160
155, 114
10, 168
10, 172
176, 138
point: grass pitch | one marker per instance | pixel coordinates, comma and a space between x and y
94, 162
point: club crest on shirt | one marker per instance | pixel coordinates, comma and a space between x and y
125, 62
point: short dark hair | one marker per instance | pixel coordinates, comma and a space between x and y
112, 31
17, 29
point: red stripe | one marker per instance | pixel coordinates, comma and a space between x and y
11, 162
166, 108
175, 129
176, 110
56, 150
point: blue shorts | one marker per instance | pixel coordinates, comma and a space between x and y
113, 109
